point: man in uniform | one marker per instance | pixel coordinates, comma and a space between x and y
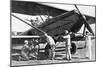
88, 45
68, 45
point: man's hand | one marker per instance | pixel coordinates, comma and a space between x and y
45, 34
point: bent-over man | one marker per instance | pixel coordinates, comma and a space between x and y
51, 42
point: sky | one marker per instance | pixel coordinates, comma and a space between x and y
19, 26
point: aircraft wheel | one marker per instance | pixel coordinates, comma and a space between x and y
47, 50
73, 49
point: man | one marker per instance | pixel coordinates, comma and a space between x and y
34, 48
25, 50
51, 42
68, 45
88, 45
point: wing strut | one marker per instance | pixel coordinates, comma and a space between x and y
84, 30
28, 24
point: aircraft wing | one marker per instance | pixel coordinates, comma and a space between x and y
37, 8
34, 8
63, 20
70, 21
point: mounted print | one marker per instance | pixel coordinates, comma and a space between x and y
52, 33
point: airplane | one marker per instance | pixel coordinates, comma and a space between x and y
62, 20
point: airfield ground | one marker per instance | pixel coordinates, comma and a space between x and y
79, 56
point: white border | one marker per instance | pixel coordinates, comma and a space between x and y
5, 33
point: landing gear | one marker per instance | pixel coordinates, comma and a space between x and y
73, 48
48, 51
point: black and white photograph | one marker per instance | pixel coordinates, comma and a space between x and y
51, 33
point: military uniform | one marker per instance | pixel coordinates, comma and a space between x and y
88, 46
68, 46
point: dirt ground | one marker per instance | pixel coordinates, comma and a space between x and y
79, 56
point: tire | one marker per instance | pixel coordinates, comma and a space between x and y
47, 50
73, 49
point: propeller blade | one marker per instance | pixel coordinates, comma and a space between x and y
85, 21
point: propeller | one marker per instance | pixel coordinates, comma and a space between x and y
85, 21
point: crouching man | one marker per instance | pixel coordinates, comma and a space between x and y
67, 38
25, 50
51, 42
